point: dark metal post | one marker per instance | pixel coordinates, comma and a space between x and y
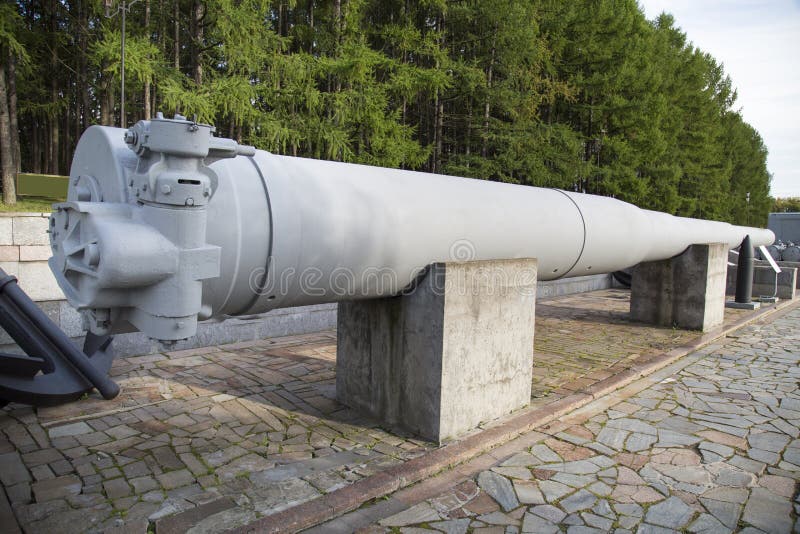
744, 272
122, 70
124, 8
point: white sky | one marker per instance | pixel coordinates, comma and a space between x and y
758, 42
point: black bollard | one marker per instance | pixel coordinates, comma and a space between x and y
744, 272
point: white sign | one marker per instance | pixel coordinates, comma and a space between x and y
765, 253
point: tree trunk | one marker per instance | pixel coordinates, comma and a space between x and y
437, 133
161, 30
342, 20
468, 139
106, 102
104, 114
487, 107
52, 164
438, 117
13, 120
338, 25
162, 45
81, 89
6, 154
177, 34
588, 144
52, 152
337, 22
36, 147
66, 141
147, 110
311, 26
198, 12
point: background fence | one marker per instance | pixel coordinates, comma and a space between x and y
46, 186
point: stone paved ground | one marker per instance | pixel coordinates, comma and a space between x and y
711, 448
244, 430
583, 338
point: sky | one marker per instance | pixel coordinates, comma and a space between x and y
758, 42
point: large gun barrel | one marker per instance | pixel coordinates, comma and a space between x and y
165, 226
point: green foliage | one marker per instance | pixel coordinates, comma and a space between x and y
183, 95
10, 22
586, 95
141, 56
786, 204
30, 205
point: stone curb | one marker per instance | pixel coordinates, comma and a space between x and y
179, 523
349, 498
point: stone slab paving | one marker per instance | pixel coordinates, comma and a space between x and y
236, 432
583, 338
711, 448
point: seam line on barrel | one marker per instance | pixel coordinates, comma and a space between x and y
257, 294
583, 223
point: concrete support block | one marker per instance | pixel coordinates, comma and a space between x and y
31, 230
764, 281
454, 352
687, 291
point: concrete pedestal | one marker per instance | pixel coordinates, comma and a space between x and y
454, 352
687, 291
752, 305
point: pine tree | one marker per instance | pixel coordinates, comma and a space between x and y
585, 95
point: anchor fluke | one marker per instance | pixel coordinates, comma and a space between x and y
52, 370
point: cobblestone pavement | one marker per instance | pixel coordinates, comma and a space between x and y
241, 431
584, 338
711, 448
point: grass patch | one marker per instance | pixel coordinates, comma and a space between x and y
32, 204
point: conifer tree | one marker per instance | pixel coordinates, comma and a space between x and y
585, 95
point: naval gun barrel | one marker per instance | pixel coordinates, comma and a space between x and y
164, 226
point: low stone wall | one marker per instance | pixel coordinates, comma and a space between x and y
25, 249
733, 261
764, 281
283, 322
570, 286
791, 265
